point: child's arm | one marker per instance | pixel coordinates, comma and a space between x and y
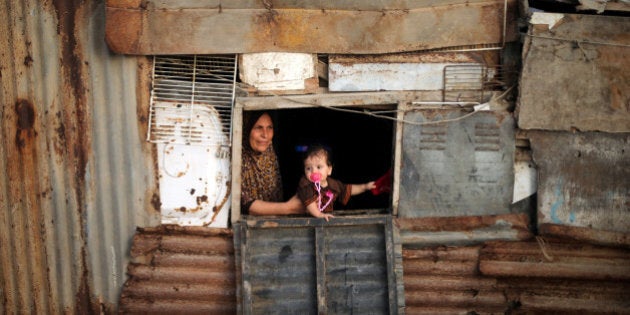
314, 211
361, 188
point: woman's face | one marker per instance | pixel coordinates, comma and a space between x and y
262, 133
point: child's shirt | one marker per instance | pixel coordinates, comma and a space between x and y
307, 192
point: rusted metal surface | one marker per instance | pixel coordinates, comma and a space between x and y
445, 280
463, 230
586, 234
554, 258
575, 74
456, 163
478, 279
75, 179
180, 270
559, 275
357, 27
583, 179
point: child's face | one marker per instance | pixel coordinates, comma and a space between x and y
317, 164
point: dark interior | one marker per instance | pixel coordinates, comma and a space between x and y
362, 148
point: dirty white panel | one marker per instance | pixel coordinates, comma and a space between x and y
194, 184
278, 71
385, 76
524, 180
399, 72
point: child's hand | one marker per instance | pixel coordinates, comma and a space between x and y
327, 216
370, 185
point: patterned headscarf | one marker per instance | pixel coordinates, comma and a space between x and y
260, 171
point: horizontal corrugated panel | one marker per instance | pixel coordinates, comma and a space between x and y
445, 280
555, 259
181, 270
506, 277
560, 275
76, 177
463, 230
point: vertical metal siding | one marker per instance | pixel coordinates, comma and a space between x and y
308, 266
76, 176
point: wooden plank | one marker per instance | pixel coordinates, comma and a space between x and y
188, 29
320, 247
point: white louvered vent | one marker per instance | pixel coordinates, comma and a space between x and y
191, 99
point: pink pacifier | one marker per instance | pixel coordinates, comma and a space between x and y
316, 178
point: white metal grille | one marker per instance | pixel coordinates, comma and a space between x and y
471, 82
192, 98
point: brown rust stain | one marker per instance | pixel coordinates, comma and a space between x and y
155, 202
76, 119
25, 113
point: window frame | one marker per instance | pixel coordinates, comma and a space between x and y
400, 100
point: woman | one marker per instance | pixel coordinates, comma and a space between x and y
261, 183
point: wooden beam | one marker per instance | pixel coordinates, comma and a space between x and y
187, 29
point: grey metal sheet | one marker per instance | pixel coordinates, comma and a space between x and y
76, 177
575, 74
583, 179
309, 266
460, 167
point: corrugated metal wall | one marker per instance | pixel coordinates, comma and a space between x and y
76, 173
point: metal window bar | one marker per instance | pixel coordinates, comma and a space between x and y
192, 99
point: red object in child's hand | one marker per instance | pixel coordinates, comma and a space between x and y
383, 184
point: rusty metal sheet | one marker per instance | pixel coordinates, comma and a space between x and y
446, 280
463, 230
575, 74
554, 275
310, 27
583, 179
554, 258
76, 177
180, 270
460, 167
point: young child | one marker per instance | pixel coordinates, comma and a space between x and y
317, 191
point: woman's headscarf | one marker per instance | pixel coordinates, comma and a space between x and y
260, 171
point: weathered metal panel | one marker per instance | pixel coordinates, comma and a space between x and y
409, 71
584, 179
456, 163
357, 27
179, 270
575, 73
445, 280
76, 178
463, 230
310, 266
479, 280
559, 275
280, 72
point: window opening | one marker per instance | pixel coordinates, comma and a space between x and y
362, 148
